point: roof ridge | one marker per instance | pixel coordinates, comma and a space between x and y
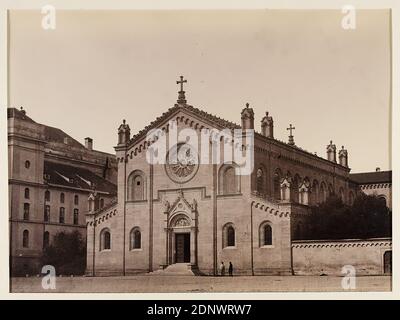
372, 172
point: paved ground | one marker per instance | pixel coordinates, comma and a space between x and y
145, 283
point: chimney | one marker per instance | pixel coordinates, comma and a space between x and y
331, 152
89, 143
343, 158
247, 118
267, 126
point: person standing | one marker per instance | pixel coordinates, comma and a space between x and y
222, 268
230, 269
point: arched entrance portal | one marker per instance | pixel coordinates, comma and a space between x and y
181, 240
182, 247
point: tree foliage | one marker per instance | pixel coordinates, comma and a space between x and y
67, 253
368, 217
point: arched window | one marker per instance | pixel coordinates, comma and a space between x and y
231, 237
277, 184
351, 198
136, 239
260, 180
46, 213
62, 215
382, 199
295, 188
25, 239
101, 203
27, 164
229, 181
26, 211
228, 235
331, 191
26, 193
62, 197
341, 194
105, 240
265, 234
47, 195
46, 239
76, 200
322, 193
76, 216
136, 186
314, 197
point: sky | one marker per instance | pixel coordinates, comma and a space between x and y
99, 67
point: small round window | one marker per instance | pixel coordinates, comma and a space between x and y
27, 164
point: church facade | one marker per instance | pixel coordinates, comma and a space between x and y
202, 213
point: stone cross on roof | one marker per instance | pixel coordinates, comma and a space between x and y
291, 140
181, 96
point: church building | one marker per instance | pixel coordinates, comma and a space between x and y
200, 214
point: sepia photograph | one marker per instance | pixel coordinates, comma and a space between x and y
199, 151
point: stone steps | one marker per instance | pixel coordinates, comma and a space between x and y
179, 269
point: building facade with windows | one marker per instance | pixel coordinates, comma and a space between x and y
188, 211
50, 178
378, 183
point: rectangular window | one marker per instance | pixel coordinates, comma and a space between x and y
62, 215
47, 213
25, 239
26, 211
76, 216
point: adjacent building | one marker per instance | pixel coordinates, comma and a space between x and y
378, 183
50, 178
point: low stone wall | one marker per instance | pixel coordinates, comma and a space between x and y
318, 257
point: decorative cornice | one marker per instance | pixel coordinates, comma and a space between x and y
102, 214
27, 183
376, 186
41, 222
270, 208
222, 123
342, 243
51, 185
